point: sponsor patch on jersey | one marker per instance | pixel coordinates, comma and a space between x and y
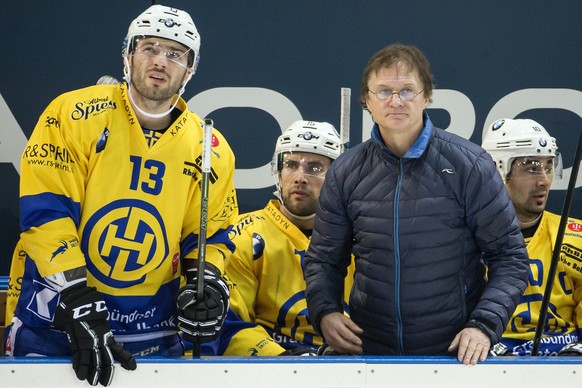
228, 207
258, 246
575, 227
43, 302
63, 247
102, 142
572, 252
60, 250
92, 107
52, 121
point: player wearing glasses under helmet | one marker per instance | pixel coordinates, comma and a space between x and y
528, 160
110, 212
269, 313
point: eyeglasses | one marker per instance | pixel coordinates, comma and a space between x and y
309, 168
525, 168
155, 49
404, 94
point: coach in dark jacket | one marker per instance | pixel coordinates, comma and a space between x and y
423, 211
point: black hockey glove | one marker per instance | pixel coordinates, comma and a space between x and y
574, 349
82, 315
201, 321
299, 352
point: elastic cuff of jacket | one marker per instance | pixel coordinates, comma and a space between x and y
489, 332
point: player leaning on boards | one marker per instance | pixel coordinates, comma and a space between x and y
528, 160
420, 209
269, 312
110, 206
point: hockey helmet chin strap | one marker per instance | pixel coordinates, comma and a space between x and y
127, 78
303, 218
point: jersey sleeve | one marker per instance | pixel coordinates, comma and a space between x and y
53, 169
241, 274
242, 336
14, 281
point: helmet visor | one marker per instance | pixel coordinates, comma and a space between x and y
313, 165
172, 51
534, 166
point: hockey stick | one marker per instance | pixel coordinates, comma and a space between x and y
345, 119
205, 168
557, 248
206, 157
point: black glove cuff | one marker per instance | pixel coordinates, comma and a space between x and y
79, 303
209, 270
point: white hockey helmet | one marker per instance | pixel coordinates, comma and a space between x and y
168, 23
305, 136
507, 139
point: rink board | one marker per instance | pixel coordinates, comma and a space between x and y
303, 372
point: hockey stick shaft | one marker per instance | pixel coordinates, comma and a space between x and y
346, 94
557, 249
206, 169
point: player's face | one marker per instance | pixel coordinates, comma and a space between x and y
394, 115
528, 184
159, 67
301, 179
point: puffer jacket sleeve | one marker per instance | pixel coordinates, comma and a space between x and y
491, 215
328, 255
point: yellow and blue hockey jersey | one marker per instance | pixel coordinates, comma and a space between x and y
94, 193
268, 287
564, 317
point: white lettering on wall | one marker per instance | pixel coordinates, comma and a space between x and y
457, 104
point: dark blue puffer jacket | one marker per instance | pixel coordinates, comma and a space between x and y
420, 228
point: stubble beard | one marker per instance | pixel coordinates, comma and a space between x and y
151, 92
300, 208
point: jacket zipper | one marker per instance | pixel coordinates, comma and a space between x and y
397, 260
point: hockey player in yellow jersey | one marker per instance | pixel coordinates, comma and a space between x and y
110, 213
269, 313
527, 159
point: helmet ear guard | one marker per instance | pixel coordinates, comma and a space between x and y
507, 139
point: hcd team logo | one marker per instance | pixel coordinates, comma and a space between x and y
125, 241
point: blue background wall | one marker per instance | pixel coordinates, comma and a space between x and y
305, 50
